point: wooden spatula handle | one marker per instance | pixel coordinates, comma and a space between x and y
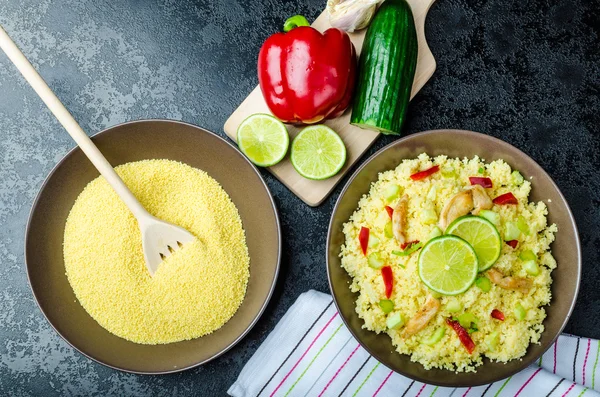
68, 122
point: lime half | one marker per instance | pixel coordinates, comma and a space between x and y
483, 237
263, 139
448, 265
318, 152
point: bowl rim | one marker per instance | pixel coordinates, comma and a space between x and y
525, 363
271, 288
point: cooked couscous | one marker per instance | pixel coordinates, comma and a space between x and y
194, 291
500, 312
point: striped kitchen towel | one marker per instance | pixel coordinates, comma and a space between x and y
311, 353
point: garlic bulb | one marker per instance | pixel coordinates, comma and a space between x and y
351, 15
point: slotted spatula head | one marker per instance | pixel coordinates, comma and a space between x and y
160, 239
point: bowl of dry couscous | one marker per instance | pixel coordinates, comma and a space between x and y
85, 262
453, 258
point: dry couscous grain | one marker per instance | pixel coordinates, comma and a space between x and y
194, 291
410, 294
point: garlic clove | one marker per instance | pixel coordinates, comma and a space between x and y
351, 15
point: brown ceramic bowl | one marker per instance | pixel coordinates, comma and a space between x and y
138, 140
566, 249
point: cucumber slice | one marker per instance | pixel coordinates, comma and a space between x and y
511, 231
531, 268
395, 321
392, 193
434, 338
375, 260
491, 216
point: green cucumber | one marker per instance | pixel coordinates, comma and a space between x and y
386, 69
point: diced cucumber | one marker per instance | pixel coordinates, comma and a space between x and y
432, 194
373, 241
492, 340
386, 305
448, 172
392, 193
520, 312
522, 225
491, 216
388, 231
375, 260
531, 268
435, 232
466, 319
527, 255
395, 321
484, 284
454, 306
511, 231
434, 338
517, 178
428, 216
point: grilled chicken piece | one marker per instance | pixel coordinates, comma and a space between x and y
459, 205
508, 282
422, 318
399, 220
481, 200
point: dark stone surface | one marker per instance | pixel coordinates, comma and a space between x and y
524, 71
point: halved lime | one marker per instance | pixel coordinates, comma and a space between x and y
483, 237
448, 265
263, 139
318, 152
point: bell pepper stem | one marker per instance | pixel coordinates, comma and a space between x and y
294, 22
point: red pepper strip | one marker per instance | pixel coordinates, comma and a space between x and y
424, 174
363, 239
497, 314
513, 243
506, 198
389, 210
483, 182
463, 335
408, 244
388, 280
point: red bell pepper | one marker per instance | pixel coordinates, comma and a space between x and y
389, 210
424, 174
513, 243
388, 280
462, 334
497, 314
306, 76
408, 244
483, 181
506, 198
363, 239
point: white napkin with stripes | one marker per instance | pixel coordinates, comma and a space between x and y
311, 353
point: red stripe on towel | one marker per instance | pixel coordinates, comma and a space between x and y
570, 388
383, 383
339, 369
528, 380
303, 354
587, 353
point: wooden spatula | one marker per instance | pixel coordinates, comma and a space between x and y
159, 238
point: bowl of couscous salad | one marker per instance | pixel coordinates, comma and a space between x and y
453, 258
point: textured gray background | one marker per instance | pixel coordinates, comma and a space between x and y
523, 71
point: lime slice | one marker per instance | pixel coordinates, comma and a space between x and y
263, 139
483, 237
448, 265
318, 152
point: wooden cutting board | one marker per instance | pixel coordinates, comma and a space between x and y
357, 140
